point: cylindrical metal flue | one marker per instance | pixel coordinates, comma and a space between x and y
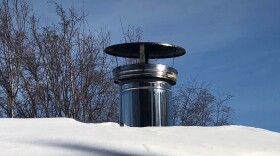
145, 103
145, 94
145, 89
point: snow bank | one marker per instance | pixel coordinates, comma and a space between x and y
63, 136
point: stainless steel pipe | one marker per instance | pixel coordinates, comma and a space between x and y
146, 96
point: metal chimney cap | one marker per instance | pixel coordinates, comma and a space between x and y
153, 50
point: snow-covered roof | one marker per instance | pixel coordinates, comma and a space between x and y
62, 136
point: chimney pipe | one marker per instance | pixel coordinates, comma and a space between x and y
145, 89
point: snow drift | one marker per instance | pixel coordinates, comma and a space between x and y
61, 136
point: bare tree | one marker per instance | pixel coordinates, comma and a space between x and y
194, 104
57, 70
13, 41
131, 34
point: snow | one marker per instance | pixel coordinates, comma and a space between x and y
62, 136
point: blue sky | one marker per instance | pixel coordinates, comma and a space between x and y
234, 45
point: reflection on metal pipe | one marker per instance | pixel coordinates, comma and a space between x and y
145, 104
145, 94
